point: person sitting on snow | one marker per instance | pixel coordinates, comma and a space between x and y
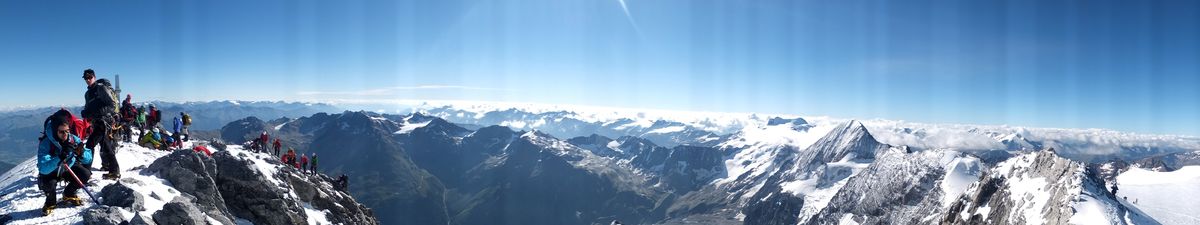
59, 149
151, 139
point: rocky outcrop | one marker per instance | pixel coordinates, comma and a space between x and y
120, 195
180, 211
1035, 188
139, 219
103, 215
225, 185
824, 167
318, 190
900, 187
252, 196
194, 174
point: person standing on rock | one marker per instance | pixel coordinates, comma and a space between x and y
313, 164
58, 149
140, 120
342, 183
152, 117
100, 108
262, 141
177, 132
128, 116
277, 146
303, 163
187, 122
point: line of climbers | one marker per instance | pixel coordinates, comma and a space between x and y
305, 163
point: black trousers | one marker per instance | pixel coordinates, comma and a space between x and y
108, 148
48, 182
128, 128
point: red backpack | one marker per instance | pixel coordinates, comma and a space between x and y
79, 127
82, 128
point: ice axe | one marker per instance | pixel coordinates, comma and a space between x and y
80, 182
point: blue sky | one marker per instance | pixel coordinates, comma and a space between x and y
1123, 65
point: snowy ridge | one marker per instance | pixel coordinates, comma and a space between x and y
900, 187
1041, 188
22, 200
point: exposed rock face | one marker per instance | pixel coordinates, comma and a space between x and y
139, 219
119, 195
103, 215
823, 168
318, 190
193, 173
180, 211
226, 185
898, 188
252, 196
1035, 188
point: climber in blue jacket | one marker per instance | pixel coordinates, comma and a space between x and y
58, 148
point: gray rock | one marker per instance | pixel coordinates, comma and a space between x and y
193, 173
250, 195
120, 195
181, 212
319, 191
103, 215
130, 180
139, 219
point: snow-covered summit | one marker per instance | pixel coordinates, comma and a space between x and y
233, 186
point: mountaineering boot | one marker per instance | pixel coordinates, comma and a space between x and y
46, 210
73, 200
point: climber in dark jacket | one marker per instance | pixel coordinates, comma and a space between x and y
100, 108
59, 148
342, 183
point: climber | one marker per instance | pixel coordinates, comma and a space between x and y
153, 117
128, 117
58, 150
100, 109
140, 120
151, 139
177, 132
187, 122
313, 164
263, 140
342, 183
303, 163
1114, 188
277, 146
290, 157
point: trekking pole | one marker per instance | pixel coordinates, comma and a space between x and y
81, 184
